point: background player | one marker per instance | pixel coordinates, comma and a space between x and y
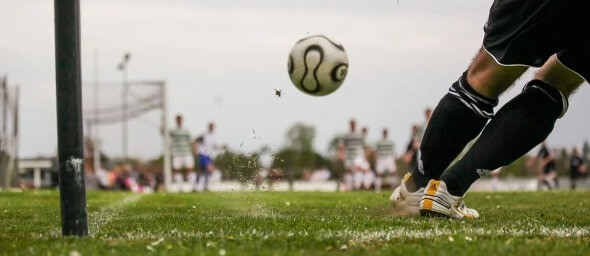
422, 127
550, 34
353, 144
207, 148
385, 164
182, 158
547, 171
367, 176
586, 152
577, 168
411, 155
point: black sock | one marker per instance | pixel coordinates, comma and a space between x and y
520, 125
457, 119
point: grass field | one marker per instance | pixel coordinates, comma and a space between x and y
267, 223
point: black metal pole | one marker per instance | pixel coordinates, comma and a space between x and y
72, 194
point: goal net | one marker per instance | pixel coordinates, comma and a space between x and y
125, 121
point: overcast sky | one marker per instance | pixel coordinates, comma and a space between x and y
222, 59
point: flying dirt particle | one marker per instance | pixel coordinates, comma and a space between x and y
278, 93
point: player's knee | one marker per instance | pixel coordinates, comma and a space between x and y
559, 76
489, 78
548, 91
479, 104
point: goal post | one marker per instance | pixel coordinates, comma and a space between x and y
72, 192
166, 141
9, 133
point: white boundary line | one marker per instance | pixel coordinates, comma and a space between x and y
366, 235
106, 214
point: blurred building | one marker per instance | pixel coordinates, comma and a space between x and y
38, 172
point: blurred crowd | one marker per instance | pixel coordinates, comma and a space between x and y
123, 176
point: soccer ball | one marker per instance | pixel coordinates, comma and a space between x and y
317, 65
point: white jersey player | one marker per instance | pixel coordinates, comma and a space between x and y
367, 176
182, 157
207, 149
355, 151
354, 161
385, 164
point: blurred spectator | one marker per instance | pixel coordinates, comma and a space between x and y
90, 178
321, 174
577, 168
422, 127
586, 152
411, 155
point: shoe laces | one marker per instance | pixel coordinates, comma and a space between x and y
461, 205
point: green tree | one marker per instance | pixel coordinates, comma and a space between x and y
300, 137
299, 153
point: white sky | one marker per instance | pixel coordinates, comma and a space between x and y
222, 59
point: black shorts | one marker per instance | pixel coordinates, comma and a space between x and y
528, 32
549, 167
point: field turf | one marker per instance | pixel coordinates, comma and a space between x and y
298, 223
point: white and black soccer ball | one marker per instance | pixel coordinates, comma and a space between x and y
318, 65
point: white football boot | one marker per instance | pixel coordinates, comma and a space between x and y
437, 201
406, 203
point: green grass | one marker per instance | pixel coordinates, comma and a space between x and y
267, 223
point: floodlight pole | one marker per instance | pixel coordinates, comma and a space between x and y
74, 220
123, 67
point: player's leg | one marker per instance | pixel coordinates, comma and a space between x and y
386, 169
348, 176
379, 181
520, 125
358, 173
177, 173
461, 115
380, 171
552, 179
191, 174
368, 179
208, 170
357, 179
